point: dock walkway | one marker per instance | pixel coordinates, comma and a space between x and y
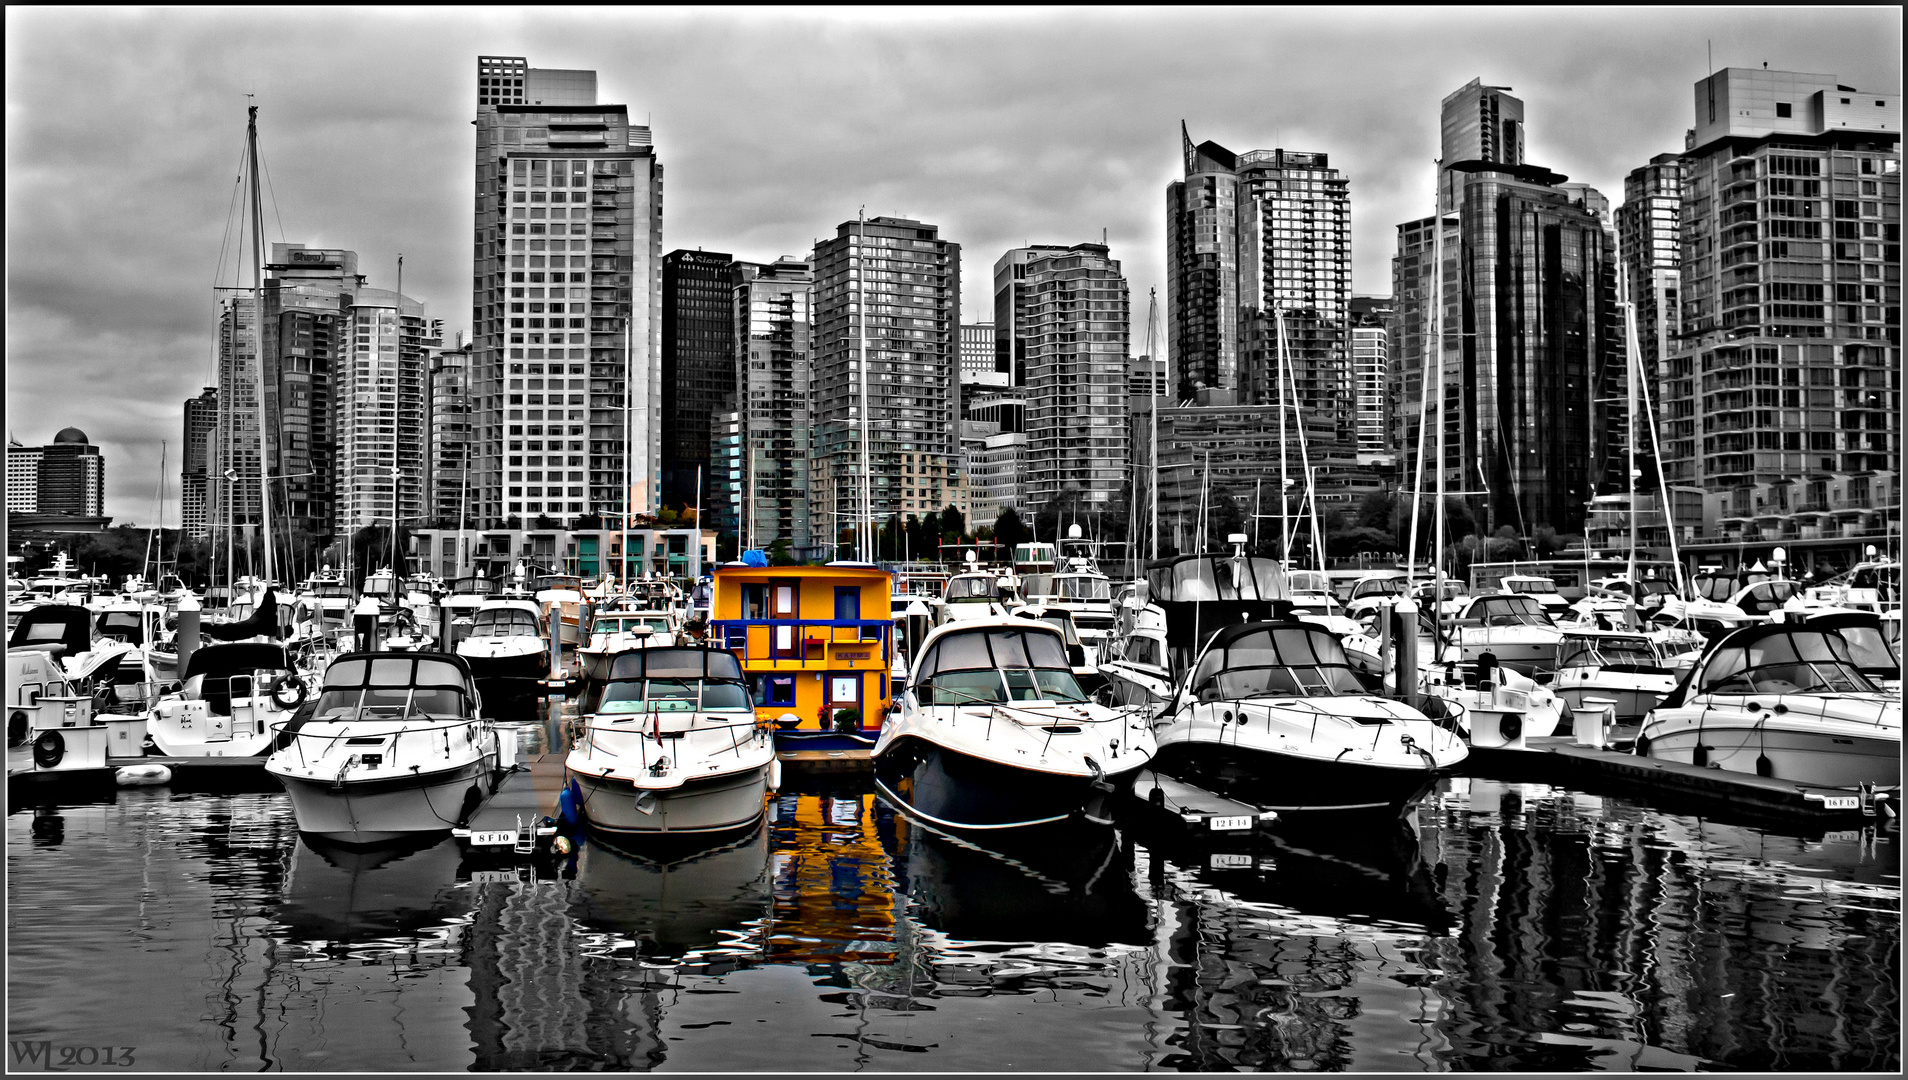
1562, 761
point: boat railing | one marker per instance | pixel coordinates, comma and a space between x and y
283, 732
803, 641
756, 729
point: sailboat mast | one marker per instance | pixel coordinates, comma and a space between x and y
1285, 523
1152, 352
865, 533
1630, 374
258, 329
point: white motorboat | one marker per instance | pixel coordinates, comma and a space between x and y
1084, 591
976, 594
233, 699
1273, 715
613, 632
506, 646
1538, 588
395, 746
995, 734
1513, 629
674, 746
1626, 669
1780, 700
1138, 672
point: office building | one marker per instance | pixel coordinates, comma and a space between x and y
201, 420
771, 387
380, 432
72, 476
23, 478
1648, 247
1528, 291
978, 364
1781, 391
1066, 312
908, 306
566, 309
698, 364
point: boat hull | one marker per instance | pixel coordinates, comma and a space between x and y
382, 810
952, 790
1632, 702
711, 804
1293, 784
1833, 757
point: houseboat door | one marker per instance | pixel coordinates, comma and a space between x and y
785, 603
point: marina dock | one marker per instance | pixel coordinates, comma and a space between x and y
1673, 785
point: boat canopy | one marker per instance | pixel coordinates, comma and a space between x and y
1868, 644
1199, 578
1774, 659
1262, 659
1506, 609
67, 625
223, 671
1082, 587
430, 684
1609, 652
504, 622
973, 587
994, 664
675, 662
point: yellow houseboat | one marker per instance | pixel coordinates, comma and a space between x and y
814, 641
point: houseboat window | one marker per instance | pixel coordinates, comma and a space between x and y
848, 603
775, 690
755, 601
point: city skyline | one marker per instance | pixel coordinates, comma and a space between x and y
113, 321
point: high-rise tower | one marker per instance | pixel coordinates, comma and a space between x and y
566, 306
898, 282
1066, 314
1782, 391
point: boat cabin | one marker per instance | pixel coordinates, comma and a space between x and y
814, 641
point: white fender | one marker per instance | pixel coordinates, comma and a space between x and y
142, 775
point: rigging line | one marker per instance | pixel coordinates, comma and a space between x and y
266, 168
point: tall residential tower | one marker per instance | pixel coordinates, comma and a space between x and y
566, 309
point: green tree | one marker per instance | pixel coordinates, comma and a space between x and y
953, 525
779, 553
1009, 530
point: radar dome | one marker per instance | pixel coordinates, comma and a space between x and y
72, 435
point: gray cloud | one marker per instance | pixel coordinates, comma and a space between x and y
1002, 127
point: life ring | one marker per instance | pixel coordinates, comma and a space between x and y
288, 691
49, 749
16, 728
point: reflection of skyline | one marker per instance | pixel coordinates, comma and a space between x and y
1519, 928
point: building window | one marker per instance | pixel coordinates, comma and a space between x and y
1782, 108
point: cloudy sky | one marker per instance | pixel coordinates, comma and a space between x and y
1003, 127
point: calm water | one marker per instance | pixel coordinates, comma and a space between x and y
1506, 927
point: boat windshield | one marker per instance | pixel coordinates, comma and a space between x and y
503, 622
1073, 587
1275, 660
1062, 624
676, 695
1803, 662
971, 587
1505, 609
996, 665
1609, 653
473, 586
1530, 585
